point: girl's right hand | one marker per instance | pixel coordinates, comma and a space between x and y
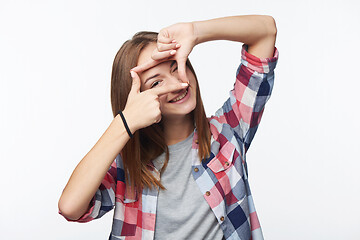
174, 42
143, 108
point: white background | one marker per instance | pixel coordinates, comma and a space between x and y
55, 68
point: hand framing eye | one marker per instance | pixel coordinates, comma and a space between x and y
174, 43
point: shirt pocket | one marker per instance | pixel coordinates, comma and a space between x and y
224, 159
228, 169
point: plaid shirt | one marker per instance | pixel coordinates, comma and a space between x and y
222, 178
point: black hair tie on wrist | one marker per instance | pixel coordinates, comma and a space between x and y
125, 124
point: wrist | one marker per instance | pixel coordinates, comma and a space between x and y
203, 31
131, 123
197, 32
118, 128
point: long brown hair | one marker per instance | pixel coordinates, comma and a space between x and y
148, 143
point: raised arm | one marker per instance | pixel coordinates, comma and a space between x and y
177, 41
255, 76
257, 31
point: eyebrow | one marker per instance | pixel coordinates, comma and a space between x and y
156, 75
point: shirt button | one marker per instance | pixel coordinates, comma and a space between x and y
226, 163
196, 169
222, 219
196, 141
207, 193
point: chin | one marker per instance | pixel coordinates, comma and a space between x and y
185, 110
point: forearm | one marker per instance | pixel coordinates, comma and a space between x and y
253, 30
89, 173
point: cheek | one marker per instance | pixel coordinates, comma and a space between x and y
193, 89
193, 82
163, 98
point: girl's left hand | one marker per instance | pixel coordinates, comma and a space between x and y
174, 43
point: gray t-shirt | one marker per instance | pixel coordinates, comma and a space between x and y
182, 212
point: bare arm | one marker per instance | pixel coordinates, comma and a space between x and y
89, 173
87, 176
257, 31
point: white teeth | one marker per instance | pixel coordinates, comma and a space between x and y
180, 97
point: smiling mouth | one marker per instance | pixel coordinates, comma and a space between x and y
180, 97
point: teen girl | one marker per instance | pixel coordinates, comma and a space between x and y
177, 174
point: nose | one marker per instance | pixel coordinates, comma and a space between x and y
173, 79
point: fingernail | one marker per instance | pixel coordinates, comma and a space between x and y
177, 45
173, 52
132, 73
184, 84
174, 41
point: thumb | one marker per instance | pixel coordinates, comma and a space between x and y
182, 70
135, 87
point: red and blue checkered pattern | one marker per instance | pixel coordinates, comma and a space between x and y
222, 178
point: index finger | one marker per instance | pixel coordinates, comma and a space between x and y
156, 58
151, 63
168, 88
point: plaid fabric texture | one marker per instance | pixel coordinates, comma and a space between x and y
222, 178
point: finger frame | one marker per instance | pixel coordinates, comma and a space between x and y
165, 47
164, 39
165, 56
168, 88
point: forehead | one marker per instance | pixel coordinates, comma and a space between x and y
145, 54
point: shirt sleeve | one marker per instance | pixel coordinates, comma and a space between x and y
252, 89
104, 198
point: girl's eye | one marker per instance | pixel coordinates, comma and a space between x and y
154, 84
175, 69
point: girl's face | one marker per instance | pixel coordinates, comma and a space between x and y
172, 104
